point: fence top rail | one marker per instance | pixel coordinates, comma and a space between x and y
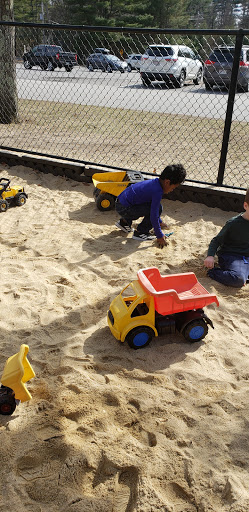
89, 28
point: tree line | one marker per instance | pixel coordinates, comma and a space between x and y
200, 14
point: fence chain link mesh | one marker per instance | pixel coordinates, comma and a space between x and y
85, 110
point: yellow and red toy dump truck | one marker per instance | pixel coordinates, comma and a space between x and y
155, 304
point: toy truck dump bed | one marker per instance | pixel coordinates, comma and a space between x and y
176, 292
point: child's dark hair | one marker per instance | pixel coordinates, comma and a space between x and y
174, 173
247, 196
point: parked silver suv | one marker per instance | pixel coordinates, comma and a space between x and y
171, 64
218, 68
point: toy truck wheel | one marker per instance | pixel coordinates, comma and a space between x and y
139, 337
195, 330
7, 408
96, 193
105, 202
20, 199
3, 205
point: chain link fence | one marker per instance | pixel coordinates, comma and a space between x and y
132, 99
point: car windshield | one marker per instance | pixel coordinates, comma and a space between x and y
159, 51
222, 55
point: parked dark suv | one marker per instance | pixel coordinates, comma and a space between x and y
49, 56
218, 68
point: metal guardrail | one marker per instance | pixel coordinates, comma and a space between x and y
114, 120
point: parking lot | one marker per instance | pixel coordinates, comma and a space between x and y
126, 91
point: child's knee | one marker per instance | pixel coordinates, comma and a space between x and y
238, 281
241, 282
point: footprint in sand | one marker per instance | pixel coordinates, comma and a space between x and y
125, 490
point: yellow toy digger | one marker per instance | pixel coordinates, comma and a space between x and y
108, 185
11, 195
17, 372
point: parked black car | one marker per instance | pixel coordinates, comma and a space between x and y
50, 57
105, 62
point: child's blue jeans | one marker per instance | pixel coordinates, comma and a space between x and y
130, 213
233, 269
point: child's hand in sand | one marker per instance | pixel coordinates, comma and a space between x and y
162, 242
209, 262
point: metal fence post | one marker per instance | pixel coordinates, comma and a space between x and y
230, 105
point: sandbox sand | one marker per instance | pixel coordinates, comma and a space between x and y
110, 429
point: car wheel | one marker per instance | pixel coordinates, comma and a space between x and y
105, 202
109, 68
43, 66
139, 337
195, 330
90, 67
208, 86
243, 88
3, 205
146, 82
51, 66
27, 64
197, 80
68, 68
129, 68
181, 80
20, 199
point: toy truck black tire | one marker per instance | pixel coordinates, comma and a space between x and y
105, 202
139, 337
3, 205
20, 199
195, 331
7, 401
7, 408
96, 193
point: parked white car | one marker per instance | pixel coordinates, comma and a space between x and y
134, 61
173, 64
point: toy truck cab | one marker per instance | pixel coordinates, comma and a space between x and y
155, 304
132, 314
